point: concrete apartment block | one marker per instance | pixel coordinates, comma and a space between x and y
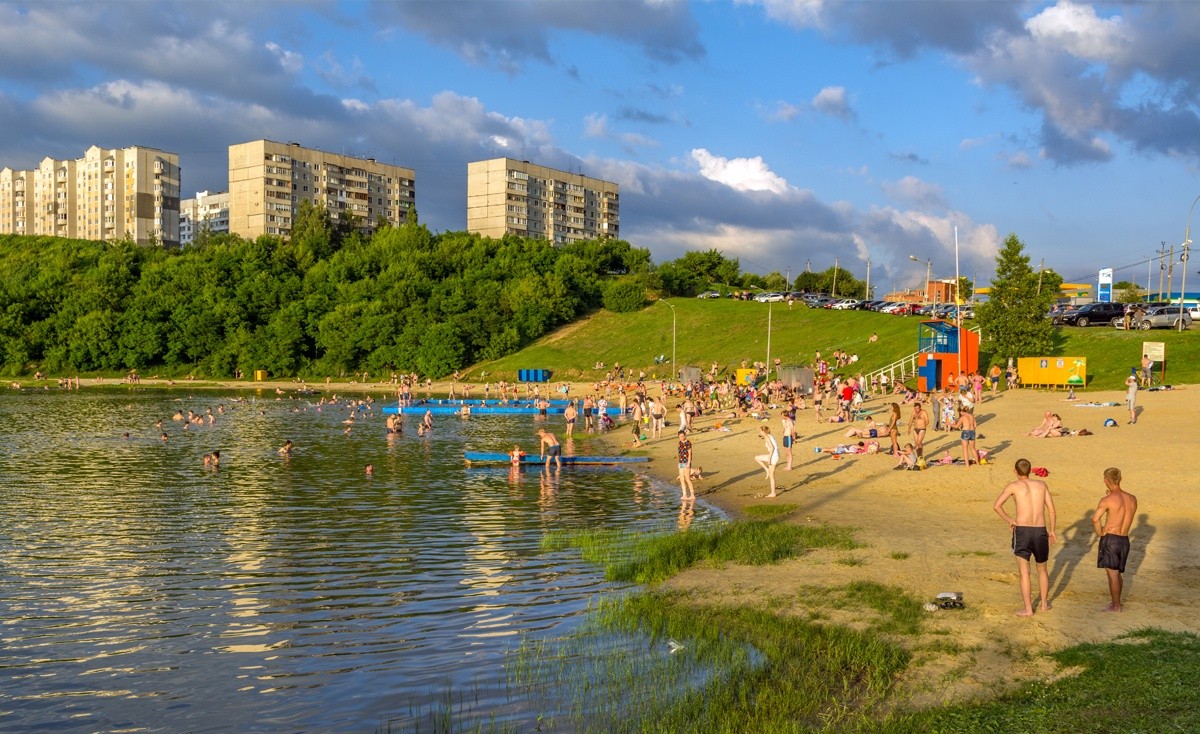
506, 196
268, 180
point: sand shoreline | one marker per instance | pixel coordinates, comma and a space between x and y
934, 530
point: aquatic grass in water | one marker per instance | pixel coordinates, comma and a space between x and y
648, 558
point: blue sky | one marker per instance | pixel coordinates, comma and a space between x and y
781, 132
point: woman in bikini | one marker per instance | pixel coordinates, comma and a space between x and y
893, 428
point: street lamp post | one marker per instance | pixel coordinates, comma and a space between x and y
673, 372
928, 274
1187, 241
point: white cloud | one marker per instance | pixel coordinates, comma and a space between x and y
742, 174
781, 112
1077, 29
834, 102
289, 61
913, 191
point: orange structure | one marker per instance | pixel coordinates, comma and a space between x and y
946, 351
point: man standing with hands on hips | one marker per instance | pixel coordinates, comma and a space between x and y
1032, 531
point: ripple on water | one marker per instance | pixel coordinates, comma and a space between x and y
145, 593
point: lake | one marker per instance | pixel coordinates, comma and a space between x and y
144, 592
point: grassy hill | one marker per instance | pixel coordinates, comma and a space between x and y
729, 331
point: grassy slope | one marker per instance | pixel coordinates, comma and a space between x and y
728, 332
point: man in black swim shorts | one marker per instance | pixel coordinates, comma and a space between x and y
1032, 531
1112, 520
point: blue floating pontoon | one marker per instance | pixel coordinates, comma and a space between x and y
497, 457
488, 407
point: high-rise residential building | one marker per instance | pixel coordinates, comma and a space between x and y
505, 196
268, 180
207, 212
108, 194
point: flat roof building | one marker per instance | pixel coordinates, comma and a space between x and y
268, 180
506, 196
207, 212
108, 194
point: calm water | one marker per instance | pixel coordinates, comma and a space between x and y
143, 592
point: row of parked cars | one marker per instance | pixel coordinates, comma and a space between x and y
822, 300
1153, 315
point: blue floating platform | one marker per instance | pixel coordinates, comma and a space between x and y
497, 457
487, 407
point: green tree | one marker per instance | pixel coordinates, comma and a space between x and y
1013, 319
623, 296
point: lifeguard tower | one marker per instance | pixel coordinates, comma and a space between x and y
946, 351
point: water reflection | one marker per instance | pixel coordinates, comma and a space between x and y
144, 592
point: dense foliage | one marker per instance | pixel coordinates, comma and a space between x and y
327, 302
1013, 319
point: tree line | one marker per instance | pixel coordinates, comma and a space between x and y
328, 300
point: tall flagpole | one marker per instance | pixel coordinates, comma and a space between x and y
958, 319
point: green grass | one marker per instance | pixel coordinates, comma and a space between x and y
729, 331
757, 671
1143, 682
769, 512
899, 556
968, 554
648, 558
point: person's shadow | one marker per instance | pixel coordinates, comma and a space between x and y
1076, 542
1139, 542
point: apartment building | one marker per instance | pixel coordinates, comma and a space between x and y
108, 194
268, 180
506, 196
208, 211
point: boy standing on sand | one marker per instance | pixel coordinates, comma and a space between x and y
1031, 533
1111, 520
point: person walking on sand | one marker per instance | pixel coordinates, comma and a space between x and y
1131, 389
966, 424
686, 487
769, 460
549, 448
1032, 531
1111, 521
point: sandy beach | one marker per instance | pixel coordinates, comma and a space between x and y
934, 530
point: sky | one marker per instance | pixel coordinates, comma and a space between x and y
788, 134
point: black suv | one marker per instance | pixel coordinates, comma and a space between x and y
1093, 314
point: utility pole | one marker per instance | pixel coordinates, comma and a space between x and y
835, 269
1041, 269
1162, 252
1170, 271
867, 292
789, 278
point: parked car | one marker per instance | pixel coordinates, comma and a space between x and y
709, 294
770, 297
1163, 317
846, 304
1093, 314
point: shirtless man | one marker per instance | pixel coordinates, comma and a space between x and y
1111, 520
789, 432
571, 414
917, 427
1032, 531
549, 448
